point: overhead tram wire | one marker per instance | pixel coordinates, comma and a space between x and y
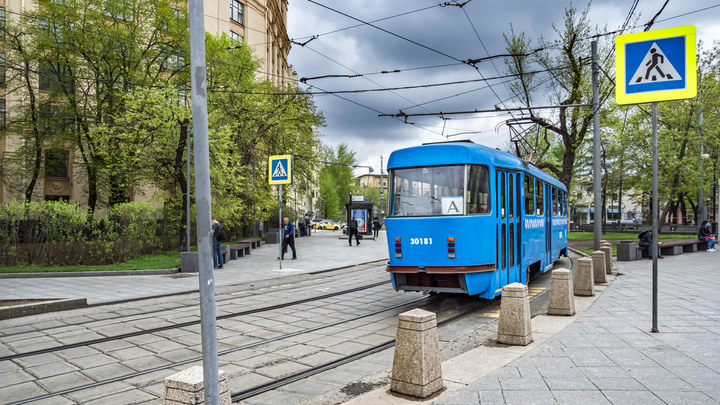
652, 20
373, 21
371, 81
385, 31
374, 110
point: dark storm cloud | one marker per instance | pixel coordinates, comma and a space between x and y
446, 30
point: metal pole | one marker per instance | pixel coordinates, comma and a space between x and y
655, 247
596, 146
701, 199
281, 235
203, 203
188, 188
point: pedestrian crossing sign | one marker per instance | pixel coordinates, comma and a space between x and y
656, 65
280, 168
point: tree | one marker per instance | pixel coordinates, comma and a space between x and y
336, 179
567, 72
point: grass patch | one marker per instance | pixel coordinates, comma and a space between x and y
160, 260
589, 251
588, 236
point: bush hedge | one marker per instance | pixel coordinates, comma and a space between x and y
52, 233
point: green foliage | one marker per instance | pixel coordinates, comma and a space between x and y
58, 233
336, 180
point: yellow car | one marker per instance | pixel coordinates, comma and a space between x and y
328, 225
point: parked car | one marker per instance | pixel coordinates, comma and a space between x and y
329, 225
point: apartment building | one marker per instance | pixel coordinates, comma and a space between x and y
260, 23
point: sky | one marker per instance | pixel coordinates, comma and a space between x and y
427, 41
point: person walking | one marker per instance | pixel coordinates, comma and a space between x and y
288, 239
376, 227
646, 239
352, 227
217, 233
705, 235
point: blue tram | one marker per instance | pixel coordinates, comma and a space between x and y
469, 219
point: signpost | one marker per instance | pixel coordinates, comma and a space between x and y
655, 66
280, 172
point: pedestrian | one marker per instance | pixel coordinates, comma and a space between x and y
352, 227
288, 239
705, 235
376, 227
217, 233
646, 239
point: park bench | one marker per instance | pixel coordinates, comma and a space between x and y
255, 242
628, 251
241, 249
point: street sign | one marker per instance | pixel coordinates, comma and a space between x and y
280, 168
656, 65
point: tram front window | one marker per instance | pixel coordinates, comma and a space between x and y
437, 190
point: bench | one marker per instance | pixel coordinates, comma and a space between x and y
255, 242
675, 248
241, 249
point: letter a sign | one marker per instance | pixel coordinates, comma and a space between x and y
656, 65
280, 168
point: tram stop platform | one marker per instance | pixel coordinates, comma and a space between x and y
605, 353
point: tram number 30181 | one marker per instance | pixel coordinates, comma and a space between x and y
421, 241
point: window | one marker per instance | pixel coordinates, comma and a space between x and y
555, 203
2, 21
478, 194
539, 198
2, 69
529, 195
502, 196
436, 190
57, 163
236, 11
120, 9
52, 120
236, 37
55, 77
2, 114
511, 204
65, 198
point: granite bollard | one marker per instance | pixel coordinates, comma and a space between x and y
584, 285
189, 262
186, 388
607, 249
514, 326
416, 367
598, 261
562, 300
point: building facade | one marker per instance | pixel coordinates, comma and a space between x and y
262, 24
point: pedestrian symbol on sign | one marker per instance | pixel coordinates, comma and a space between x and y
279, 170
655, 68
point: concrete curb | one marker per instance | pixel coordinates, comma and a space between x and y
91, 273
17, 311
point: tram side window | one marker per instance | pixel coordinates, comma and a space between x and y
478, 192
511, 200
555, 201
529, 195
539, 198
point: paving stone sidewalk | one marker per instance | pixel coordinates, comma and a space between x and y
609, 355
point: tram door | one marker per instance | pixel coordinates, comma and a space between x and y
549, 196
509, 222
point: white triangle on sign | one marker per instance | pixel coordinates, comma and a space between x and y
279, 171
655, 68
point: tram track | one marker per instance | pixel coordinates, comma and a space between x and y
219, 300
186, 324
224, 352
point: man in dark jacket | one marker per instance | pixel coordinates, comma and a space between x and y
376, 227
646, 239
288, 239
217, 251
352, 229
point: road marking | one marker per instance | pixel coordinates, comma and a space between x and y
239, 292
